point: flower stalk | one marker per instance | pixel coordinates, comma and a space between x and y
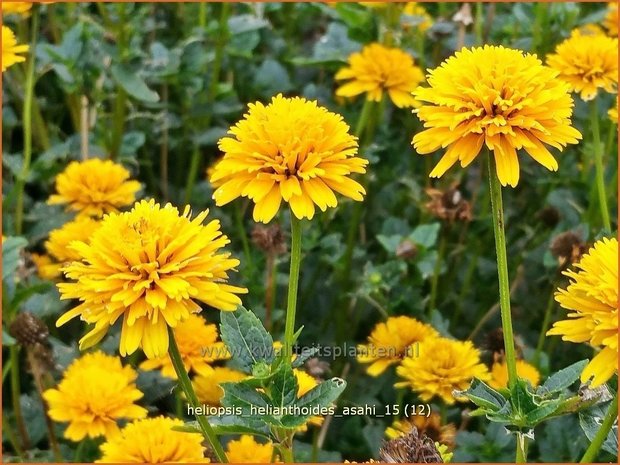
293, 285
598, 165
186, 385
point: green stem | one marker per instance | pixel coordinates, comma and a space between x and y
522, 446
211, 94
27, 124
16, 394
598, 164
186, 385
244, 238
542, 337
601, 435
287, 454
202, 15
502, 270
479, 23
436, 271
293, 284
7, 429
362, 121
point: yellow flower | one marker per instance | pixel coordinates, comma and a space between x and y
94, 187
377, 69
150, 266
57, 246
611, 20
430, 426
207, 385
592, 297
96, 391
247, 450
499, 374
153, 440
198, 346
20, 8
613, 113
499, 97
587, 62
415, 9
46, 267
291, 150
305, 383
10, 49
389, 342
442, 366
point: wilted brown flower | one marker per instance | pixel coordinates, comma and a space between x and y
568, 248
429, 425
317, 368
269, 239
449, 205
411, 448
406, 250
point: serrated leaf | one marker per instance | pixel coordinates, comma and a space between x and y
305, 354
563, 378
523, 399
133, 84
244, 396
11, 248
590, 422
542, 412
246, 338
320, 396
232, 424
484, 396
284, 387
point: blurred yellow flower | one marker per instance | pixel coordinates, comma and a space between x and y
10, 50
57, 246
150, 266
442, 366
94, 187
207, 385
153, 440
416, 9
305, 383
592, 298
96, 391
429, 425
499, 374
389, 342
20, 8
377, 69
611, 20
198, 346
613, 113
587, 62
247, 450
291, 150
498, 97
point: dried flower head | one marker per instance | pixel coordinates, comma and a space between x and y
592, 301
270, 239
449, 205
498, 97
378, 69
587, 62
28, 329
94, 187
429, 425
291, 150
567, 247
410, 448
150, 266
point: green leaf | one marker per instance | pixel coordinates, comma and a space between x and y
318, 397
284, 387
544, 411
11, 248
426, 234
246, 338
590, 421
7, 339
133, 84
484, 396
563, 378
232, 424
305, 354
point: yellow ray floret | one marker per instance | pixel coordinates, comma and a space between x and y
592, 298
292, 150
498, 97
11, 52
149, 266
